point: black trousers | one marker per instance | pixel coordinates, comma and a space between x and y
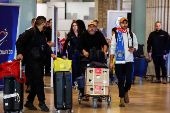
159, 62
121, 70
27, 75
48, 64
37, 83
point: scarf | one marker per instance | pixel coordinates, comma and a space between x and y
122, 30
120, 52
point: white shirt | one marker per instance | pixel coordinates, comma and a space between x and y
128, 55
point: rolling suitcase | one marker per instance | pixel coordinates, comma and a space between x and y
13, 94
81, 81
62, 91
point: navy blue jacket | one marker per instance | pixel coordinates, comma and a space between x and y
73, 43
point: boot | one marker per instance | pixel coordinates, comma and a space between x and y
156, 81
164, 81
122, 102
28, 90
126, 97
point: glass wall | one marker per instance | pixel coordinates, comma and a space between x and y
28, 11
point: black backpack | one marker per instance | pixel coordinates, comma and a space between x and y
26, 48
131, 35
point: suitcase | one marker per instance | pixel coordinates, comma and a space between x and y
81, 81
140, 66
62, 91
13, 94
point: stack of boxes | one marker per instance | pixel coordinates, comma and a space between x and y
97, 81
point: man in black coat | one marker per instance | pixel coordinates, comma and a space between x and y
158, 41
33, 47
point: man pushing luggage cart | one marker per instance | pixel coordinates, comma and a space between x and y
90, 44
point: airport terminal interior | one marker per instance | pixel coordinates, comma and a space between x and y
80, 56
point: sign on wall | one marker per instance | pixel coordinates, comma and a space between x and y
113, 18
8, 31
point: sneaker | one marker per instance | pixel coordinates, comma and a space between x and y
122, 102
30, 106
43, 107
164, 81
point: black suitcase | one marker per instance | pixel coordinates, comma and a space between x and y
13, 95
62, 91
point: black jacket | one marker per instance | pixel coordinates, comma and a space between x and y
74, 40
48, 33
88, 41
158, 41
32, 38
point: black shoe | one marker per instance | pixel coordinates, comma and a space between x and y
30, 106
43, 107
28, 90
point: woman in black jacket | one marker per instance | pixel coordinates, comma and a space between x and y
73, 40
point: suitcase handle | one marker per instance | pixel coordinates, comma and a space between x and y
21, 77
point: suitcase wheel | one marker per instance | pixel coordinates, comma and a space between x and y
22, 111
57, 111
94, 102
79, 101
71, 111
109, 100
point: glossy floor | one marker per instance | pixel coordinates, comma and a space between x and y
144, 98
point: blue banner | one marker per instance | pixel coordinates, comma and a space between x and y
8, 31
4, 1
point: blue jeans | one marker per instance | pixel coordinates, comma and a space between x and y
75, 63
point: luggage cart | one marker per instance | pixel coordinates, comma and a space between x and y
107, 98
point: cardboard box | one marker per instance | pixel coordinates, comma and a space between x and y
98, 76
97, 90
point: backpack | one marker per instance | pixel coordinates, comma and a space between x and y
131, 35
26, 47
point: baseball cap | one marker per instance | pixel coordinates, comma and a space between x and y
123, 19
92, 23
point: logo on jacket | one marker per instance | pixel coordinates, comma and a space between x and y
117, 21
3, 35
